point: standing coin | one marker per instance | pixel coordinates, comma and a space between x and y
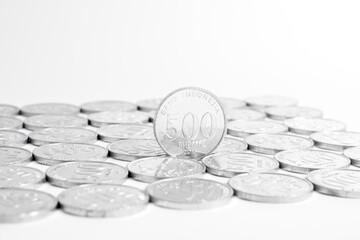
308, 126
70, 174
269, 101
113, 133
98, 200
62, 135
190, 123
354, 155
106, 118
232, 103
17, 205
157, 168
271, 187
241, 128
282, 113
20, 177
8, 110
37, 122
49, 108
274, 143
231, 164
12, 138
107, 106
306, 160
10, 123
14, 155
334, 140
148, 105
246, 114
231, 144
189, 193
56, 153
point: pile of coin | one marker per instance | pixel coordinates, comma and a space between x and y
266, 148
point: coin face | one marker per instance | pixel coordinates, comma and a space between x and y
232, 103
12, 138
285, 112
113, 133
132, 149
14, 155
231, 164
20, 177
8, 110
189, 193
246, 114
17, 205
51, 121
190, 123
312, 125
269, 101
107, 118
231, 144
354, 155
107, 106
56, 153
306, 160
148, 105
273, 143
337, 182
241, 128
49, 108
157, 168
336, 140
270, 187
10, 123
62, 135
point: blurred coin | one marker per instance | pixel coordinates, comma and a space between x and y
148, 105
304, 161
14, 155
189, 193
157, 168
271, 187
51, 121
12, 138
231, 144
17, 205
152, 116
113, 133
354, 155
246, 114
269, 101
20, 177
49, 108
107, 106
336, 140
10, 123
282, 113
190, 123
242, 128
8, 110
308, 126
98, 200
231, 103
106, 118
70, 174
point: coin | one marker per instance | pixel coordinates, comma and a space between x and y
62, 135
189, 193
113, 133
20, 177
242, 128
107, 106
49, 108
273, 143
98, 200
231, 164
190, 123
8, 110
246, 114
304, 161
10, 123
152, 116
106, 118
231, 144
70, 174
285, 112
337, 182
354, 155
14, 155
336, 140
12, 138
231, 103
148, 105
156, 168
308, 126
56, 153
37, 122
269, 101
17, 205
132, 149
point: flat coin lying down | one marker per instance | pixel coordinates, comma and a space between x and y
336, 140
14, 155
20, 177
46, 121
12, 138
107, 106
116, 132
49, 108
106, 118
10, 123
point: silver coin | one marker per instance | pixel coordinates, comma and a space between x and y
148, 105
14, 155
10, 123
20, 177
113, 133
232, 103
51, 121
107, 106
231, 144
8, 110
189, 193
269, 101
304, 161
337, 182
62, 135
49, 108
274, 143
12, 138
99, 200
242, 128
231, 164
190, 123
270, 187
157, 168
132, 149
106, 118
282, 113
70, 174
354, 155
336, 140
152, 116
17, 205
56, 153
308, 126
246, 114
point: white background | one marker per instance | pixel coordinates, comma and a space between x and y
77, 51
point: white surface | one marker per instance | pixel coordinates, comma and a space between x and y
77, 51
